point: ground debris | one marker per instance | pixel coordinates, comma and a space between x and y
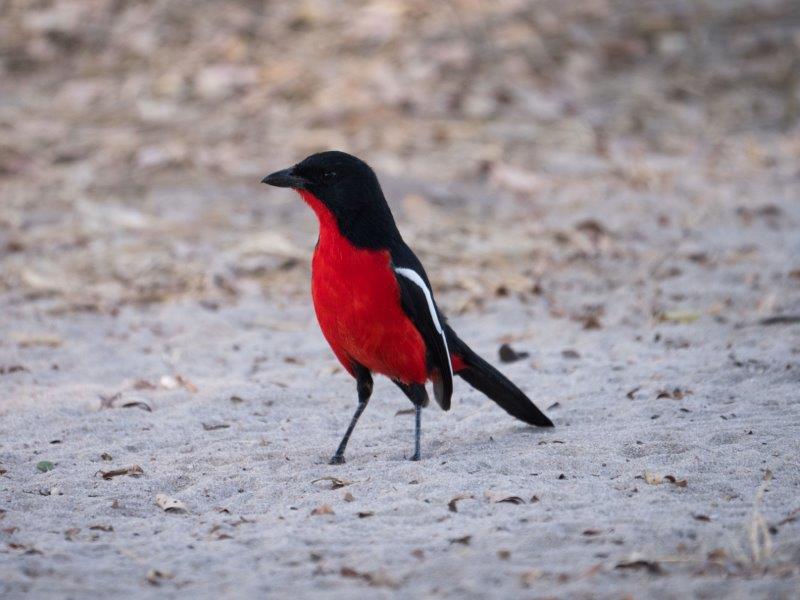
508, 355
169, 504
132, 471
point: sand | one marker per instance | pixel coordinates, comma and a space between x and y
672, 471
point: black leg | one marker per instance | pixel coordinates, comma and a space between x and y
364, 387
417, 430
419, 396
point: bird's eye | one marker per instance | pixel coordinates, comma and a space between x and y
328, 175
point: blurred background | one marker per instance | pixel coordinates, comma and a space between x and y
133, 134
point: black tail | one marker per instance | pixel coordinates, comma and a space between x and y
485, 378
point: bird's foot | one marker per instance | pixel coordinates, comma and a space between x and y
416, 456
337, 459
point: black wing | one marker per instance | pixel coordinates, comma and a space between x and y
417, 301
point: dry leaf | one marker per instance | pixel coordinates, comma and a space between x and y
451, 506
215, 426
323, 509
703, 518
508, 355
156, 576
497, 497
336, 483
169, 504
137, 404
650, 566
655, 479
133, 471
464, 540
675, 481
377, 579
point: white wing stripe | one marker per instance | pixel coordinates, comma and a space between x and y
415, 277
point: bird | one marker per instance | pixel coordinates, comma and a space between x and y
374, 302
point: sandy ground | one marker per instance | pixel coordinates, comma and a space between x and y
672, 471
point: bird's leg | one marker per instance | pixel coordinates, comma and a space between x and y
364, 387
417, 430
419, 397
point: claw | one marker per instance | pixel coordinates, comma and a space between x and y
336, 460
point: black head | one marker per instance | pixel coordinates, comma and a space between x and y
349, 189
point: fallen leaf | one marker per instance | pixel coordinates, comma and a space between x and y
498, 497
703, 518
592, 228
169, 504
137, 404
215, 426
650, 566
780, 320
323, 509
717, 555
156, 576
45, 466
143, 384
656, 479
675, 481
591, 322
675, 394
377, 579
133, 471
451, 506
106, 528
464, 540
336, 483
509, 355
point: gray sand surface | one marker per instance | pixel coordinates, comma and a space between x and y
673, 470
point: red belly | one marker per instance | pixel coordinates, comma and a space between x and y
357, 301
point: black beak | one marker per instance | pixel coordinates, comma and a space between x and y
286, 179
